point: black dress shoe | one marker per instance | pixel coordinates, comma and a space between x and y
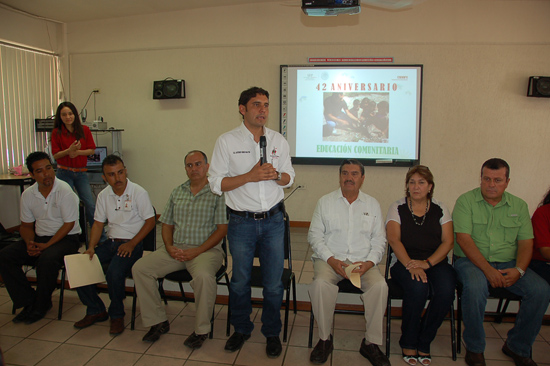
518, 360
273, 348
372, 353
474, 359
34, 317
23, 314
322, 350
236, 341
156, 331
195, 341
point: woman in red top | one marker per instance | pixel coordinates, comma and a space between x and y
540, 262
71, 144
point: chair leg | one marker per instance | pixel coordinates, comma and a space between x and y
310, 339
458, 325
294, 295
228, 326
134, 303
388, 326
453, 333
161, 290
287, 310
61, 293
211, 335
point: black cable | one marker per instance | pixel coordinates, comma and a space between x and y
291, 193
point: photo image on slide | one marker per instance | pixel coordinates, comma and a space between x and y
353, 117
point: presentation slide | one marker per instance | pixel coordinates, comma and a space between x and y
371, 113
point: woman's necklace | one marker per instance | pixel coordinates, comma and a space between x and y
414, 217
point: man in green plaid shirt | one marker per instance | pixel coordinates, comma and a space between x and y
194, 223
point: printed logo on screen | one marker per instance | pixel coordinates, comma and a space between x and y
403, 78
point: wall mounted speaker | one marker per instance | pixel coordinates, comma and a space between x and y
539, 86
169, 89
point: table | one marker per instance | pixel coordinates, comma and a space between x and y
16, 180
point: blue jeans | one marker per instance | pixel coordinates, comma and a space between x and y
419, 331
542, 268
245, 235
118, 269
535, 293
79, 182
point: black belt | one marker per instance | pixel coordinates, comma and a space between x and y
258, 215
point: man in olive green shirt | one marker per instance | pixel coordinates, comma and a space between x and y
494, 240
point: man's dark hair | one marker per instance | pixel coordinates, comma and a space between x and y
111, 160
251, 93
496, 164
353, 162
196, 151
34, 157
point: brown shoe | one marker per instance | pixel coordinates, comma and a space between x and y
474, 359
117, 326
372, 353
518, 360
195, 341
322, 350
91, 319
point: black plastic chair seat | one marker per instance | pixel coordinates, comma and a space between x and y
184, 275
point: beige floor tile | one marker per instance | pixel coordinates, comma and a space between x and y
541, 351
129, 341
22, 330
29, 352
302, 319
69, 355
93, 336
220, 326
5, 319
306, 278
298, 356
55, 331
148, 360
213, 351
299, 337
170, 345
253, 354
493, 349
441, 346
349, 322
545, 332
6, 308
200, 363
348, 339
118, 358
74, 313
348, 357
7, 342
183, 325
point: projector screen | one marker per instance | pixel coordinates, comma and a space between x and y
335, 112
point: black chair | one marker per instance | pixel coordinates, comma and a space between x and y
150, 245
183, 275
83, 238
288, 278
395, 292
504, 297
345, 287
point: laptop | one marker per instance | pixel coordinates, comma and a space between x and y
96, 159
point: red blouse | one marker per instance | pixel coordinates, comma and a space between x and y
62, 141
541, 229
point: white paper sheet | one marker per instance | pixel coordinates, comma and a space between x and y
82, 271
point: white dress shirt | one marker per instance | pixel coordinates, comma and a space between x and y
353, 232
235, 154
50, 213
126, 213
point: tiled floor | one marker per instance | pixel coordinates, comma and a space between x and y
57, 342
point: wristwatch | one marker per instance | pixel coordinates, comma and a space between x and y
279, 175
521, 272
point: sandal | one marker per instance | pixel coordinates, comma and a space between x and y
410, 359
425, 360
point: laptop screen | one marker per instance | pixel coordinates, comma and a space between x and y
97, 157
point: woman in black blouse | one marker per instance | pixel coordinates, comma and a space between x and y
420, 233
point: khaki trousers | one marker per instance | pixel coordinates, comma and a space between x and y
158, 264
323, 293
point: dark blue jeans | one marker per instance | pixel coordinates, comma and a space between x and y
419, 331
535, 294
118, 269
244, 235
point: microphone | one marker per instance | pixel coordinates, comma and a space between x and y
263, 154
84, 114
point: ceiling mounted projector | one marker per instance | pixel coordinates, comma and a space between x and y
326, 8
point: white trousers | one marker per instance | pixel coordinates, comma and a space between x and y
323, 293
158, 264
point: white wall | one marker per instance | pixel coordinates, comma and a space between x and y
477, 58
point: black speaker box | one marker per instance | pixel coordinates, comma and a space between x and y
169, 89
539, 86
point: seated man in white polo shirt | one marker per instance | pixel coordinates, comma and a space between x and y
131, 217
49, 228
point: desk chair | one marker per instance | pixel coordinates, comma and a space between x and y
288, 278
83, 237
395, 292
346, 287
183, 275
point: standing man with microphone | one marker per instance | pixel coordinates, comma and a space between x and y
252, 165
